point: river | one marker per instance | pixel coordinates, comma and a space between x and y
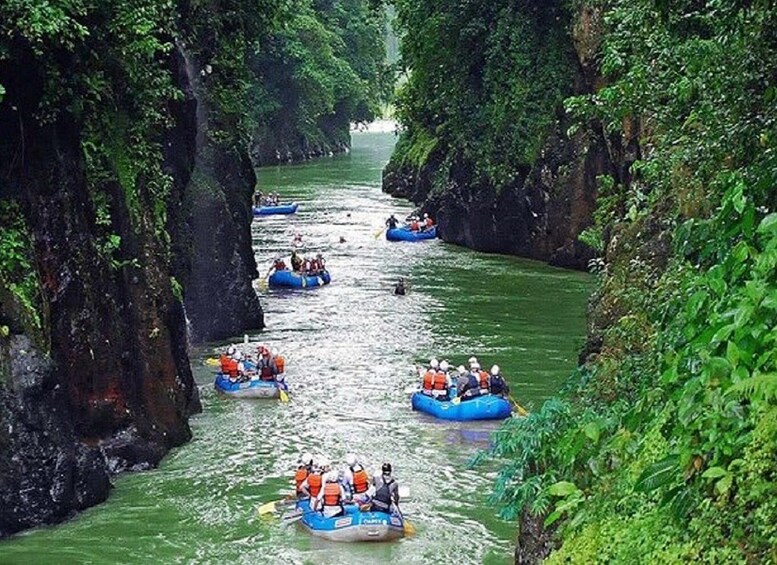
350, 350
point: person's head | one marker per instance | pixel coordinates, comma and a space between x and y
461, 370
386, 469
324, 463
332, 477
495, 370
433, 363
426, 215
306, 459
444, 366
401, 280
231, 350
350, 459
239, 355
274, 352
472, 360
265, 353
475, 366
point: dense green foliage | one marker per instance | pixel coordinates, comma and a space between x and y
485, 81
663, 447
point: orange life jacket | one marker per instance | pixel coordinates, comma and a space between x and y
360, 480
483, 379
280, 362
440, 381
429, 222
428, 380
228, 366
332, 494
414, 226
314, 484
300, 476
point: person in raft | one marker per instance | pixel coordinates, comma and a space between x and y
436, 381
233, 366
296, 261
428, 222
392, 222
415, 224
356, 479
304, 469
331, 497
266, 366
497, 384
400, 289
386, 495
312, 485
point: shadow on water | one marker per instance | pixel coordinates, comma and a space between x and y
350, 350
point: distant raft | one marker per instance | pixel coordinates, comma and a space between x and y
278, 209
353, 526
249, 389
406, 234
488, 407
289, 279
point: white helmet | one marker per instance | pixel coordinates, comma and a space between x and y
238, 355
426, 215
306, 458
231, 350
350, 459
324, 463
475, 366
495, 370
472, 360
433, 363
444, 366
461, 369
332, 477
274, 353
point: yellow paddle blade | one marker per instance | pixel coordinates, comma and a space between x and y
212, 361
377, 233
268, 508
518, 408
409, 529
456, 400
283, 395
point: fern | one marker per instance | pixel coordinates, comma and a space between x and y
758, 389
658, 474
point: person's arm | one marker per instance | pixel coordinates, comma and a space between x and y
304, 488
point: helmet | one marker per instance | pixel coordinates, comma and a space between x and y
324, 463
472, 360
350, 459
274, 352
444, 366
238, 355
231, 350
433, 363
475, 366
332, 477
461, 369
306, 458
386, 469
495, 370
426, 215
265, 352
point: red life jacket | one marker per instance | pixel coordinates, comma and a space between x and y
332, 494
300, 476
440, 381
314, 484
483, 379
265, 369
429, 222
228, 366
428, 380
360, 480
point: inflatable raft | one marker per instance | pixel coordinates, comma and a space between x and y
487, 407
290, 279
248, 389
406, 234
353, 525
279, 209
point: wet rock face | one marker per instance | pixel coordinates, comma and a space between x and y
45, 472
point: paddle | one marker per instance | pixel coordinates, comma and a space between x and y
520, 409
376, 235
284, 397
213, 361
271, 507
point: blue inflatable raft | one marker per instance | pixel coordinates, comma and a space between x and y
279, 209
353, 525
290, 279
487, 407
248, 389
406, 234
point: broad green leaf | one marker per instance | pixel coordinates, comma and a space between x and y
768, 224
732, 353
552, 518
592, 431
682, 504
714, 473
724, 484
562, 488
658, 474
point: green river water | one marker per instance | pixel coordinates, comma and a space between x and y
350, 349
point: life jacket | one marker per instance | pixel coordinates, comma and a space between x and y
314, 484
473, 386
428, 380
229, 366
265, 369
497, 384
429, 222
280, 363
483, 376
440, 381
382, 499
360, 480
332, 494
414, 226
300, 476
